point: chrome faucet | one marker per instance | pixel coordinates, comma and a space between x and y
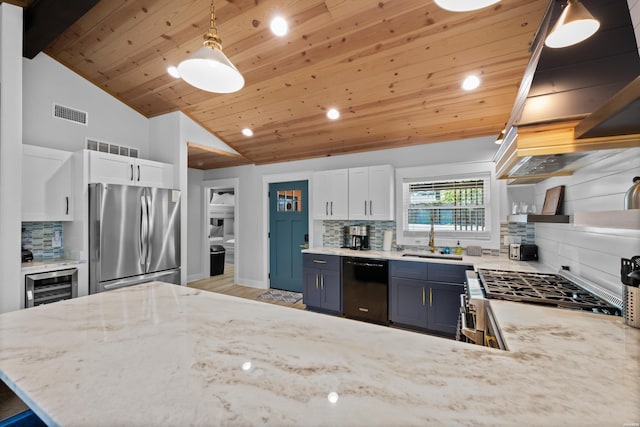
432, 245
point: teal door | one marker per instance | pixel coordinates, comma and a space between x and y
288, 233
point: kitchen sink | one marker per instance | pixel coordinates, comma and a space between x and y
436, 256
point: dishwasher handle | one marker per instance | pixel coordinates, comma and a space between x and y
365, 264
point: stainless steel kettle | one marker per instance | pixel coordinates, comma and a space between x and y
632, 197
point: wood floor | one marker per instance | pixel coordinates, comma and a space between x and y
224, 284
10, 404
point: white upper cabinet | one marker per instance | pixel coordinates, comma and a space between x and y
371, 193
331, 194
47, 184
115, 169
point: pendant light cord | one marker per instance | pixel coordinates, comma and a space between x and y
213, 29
211, 39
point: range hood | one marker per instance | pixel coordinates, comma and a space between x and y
575, 105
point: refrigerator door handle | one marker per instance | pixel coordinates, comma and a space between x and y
143, 231
147, 236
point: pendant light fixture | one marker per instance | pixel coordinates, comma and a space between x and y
574, 25
464, 5
208, 68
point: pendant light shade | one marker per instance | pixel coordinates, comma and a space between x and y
574, 25
208, 68
464, 5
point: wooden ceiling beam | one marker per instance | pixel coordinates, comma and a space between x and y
45, 20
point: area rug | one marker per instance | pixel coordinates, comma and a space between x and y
281, 296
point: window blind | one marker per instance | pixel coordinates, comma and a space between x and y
452, 205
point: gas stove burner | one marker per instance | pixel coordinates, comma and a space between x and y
542, 288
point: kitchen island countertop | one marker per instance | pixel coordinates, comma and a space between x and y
160, 354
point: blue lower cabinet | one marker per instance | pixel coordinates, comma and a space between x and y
322, 288
406, 302
420, 303
23, 419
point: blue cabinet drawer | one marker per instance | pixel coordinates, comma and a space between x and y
325, 262
450, 273
409, 269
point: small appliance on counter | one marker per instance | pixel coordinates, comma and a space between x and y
27, 255
523, 252
632, 196
357, 237
630, 277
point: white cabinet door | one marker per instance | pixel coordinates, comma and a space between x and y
47, 190
330, 194
153, 174
115, 169
371, 193
381, 191
110, 168
359, 193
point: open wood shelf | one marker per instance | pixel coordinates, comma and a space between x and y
538, 218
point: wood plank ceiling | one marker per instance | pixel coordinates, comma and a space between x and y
393, 68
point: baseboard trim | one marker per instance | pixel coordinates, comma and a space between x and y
259, 284
195, 277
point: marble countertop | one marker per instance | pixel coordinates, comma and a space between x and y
160, 354
37, 266
485, 261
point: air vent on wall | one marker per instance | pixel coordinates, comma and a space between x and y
70, 114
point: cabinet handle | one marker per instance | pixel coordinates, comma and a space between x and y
319, 261
365, 208
430, 297
316, 280
131, 173
331, 208
67, 209
423, 297
370, 207
322, 281
138, 173
326, 208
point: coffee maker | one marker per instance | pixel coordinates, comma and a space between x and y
357, 237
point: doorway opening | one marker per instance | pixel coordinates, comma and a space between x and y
221, 230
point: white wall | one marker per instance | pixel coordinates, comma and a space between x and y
590, 252
193, 132
10, 154
46, 82
195, 266
250, 203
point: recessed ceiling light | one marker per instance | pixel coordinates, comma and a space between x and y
333, 114
173, 71
464, 5
471, 83
247, 132
279, 26
333, 397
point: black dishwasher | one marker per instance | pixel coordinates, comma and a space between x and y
365, 289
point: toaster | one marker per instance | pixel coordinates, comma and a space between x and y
27, 255
523, 252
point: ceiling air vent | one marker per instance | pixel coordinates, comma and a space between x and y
70, 114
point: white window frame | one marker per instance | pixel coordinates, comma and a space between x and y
456, 171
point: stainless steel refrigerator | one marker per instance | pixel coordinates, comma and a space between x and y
134, 236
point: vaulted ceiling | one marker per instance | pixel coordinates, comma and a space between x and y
392, 67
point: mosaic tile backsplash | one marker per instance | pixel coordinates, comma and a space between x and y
40, 238
333, 234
